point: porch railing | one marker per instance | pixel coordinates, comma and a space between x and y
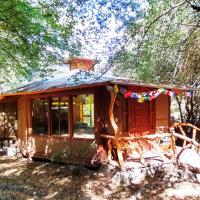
160, 141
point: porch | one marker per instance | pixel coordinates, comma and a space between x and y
162, 141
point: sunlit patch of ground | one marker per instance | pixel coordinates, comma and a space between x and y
39, 180
43, 180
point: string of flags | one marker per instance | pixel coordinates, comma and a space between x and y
150, 95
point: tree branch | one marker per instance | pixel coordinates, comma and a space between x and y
194, 7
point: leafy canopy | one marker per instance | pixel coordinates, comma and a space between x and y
163, 46
101, 24
33, 35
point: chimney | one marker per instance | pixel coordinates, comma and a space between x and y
81, 63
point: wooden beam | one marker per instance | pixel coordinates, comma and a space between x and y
186, 124
187, 139
50, 90
194, 133
70, 116
148, 137
183, 133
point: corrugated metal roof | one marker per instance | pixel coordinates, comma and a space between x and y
72, 78
77, 78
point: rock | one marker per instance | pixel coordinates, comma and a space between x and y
182, 190
137, 176
116, 179
11, 151
125, 179
198, 178
190, 159
129, 177
129, 165
109, 168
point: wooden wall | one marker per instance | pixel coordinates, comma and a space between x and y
24, 125
127, 112
8, 117
81, 63
49, 146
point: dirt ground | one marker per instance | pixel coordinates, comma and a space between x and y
45, 180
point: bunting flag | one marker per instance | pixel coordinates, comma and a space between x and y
147, 96
115, 89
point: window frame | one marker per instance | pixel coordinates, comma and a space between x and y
69, 96
31, 115
49, 121
82, 138
50, 115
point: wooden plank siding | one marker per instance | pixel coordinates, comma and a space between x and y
141, 116
163, 113
49, 145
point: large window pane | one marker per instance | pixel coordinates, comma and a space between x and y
40, 116
64, 108
55, 115
83, 116
59, 115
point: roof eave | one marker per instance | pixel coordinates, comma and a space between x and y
124, 83
56, 89
154, 86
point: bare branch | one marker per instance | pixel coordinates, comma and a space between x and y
194, 7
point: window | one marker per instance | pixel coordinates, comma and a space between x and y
59, 115
50, 115
40, 116
83, 116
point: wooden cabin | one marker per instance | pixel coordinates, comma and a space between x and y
57, 117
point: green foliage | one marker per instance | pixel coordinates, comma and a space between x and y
30, 36
58, 157
162, 47
76, 170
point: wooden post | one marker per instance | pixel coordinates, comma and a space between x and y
173, 144
194, 131
113, 96
189, 140
183, 133
109, 149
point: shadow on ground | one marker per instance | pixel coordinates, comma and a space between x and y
41, 180
45, 180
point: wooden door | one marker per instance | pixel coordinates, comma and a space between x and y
141, 117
